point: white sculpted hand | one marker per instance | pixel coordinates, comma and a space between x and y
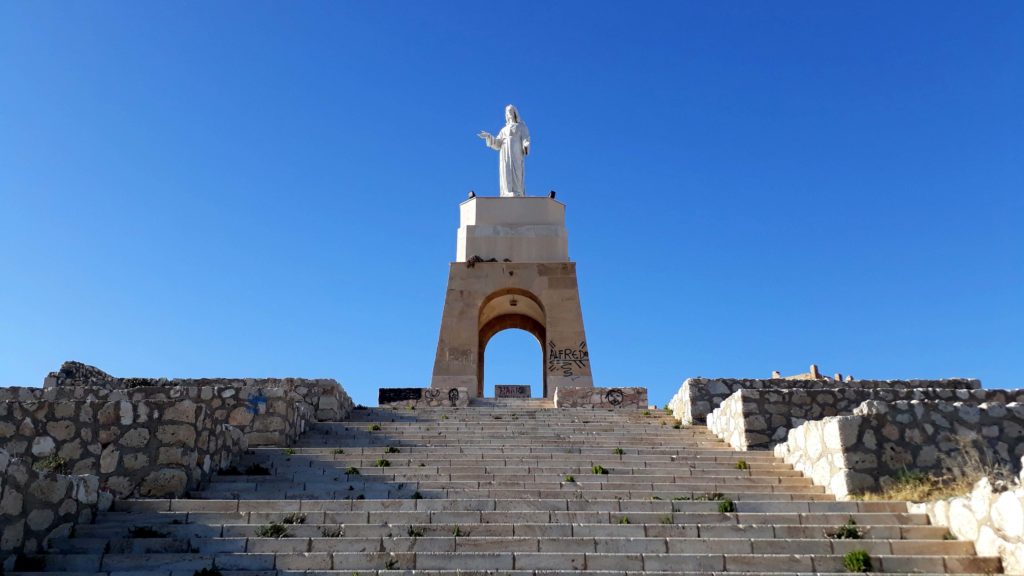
485, 135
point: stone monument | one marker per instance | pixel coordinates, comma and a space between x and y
511, 270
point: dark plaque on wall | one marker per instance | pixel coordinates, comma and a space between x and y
387, 395
511, 391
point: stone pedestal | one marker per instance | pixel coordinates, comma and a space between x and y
520, 229
513, 271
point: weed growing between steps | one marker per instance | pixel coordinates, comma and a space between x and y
726, 506
618, 451
337, 451
417, 496
336, 532
295, 518
351, 471
742, 465
273, 530
382, 463
624, 520
414, 532
707, 497
857, 561
665, 520
391, 450
598, 469
848, 531
289, 451
374, 427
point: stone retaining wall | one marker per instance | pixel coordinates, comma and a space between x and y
36, 506
151, 448
266, 416
751, 419
426, 397
325, 396
573, 397
992, 519
699, 396
870, 449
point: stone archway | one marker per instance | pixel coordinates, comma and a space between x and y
508, 309
480, 293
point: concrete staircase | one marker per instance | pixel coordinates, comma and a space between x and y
506, 487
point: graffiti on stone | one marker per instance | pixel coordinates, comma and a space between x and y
453, 396
432, 393
570, 361
614, 396
257, 403
387, 395
511, 391
460, 356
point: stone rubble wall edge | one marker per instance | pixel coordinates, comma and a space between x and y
37, 506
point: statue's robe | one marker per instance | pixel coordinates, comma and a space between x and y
512, 143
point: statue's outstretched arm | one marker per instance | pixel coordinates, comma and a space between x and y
492, 142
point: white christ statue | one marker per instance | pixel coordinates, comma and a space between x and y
513, 144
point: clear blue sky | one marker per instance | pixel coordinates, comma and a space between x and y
270, 188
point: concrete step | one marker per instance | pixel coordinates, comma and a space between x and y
398, 572
471, 543
503, 516
508, 530
608, 505
511, 560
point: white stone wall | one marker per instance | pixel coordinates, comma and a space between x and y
820, 448
698, 397
872, 448
992, 519
757, 419
729, 423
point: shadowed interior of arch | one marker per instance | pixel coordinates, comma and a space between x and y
514, 356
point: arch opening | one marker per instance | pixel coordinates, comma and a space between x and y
514, 356
512, 309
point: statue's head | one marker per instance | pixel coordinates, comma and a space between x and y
511, 115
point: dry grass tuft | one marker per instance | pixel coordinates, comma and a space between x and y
970, 461
920, 488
